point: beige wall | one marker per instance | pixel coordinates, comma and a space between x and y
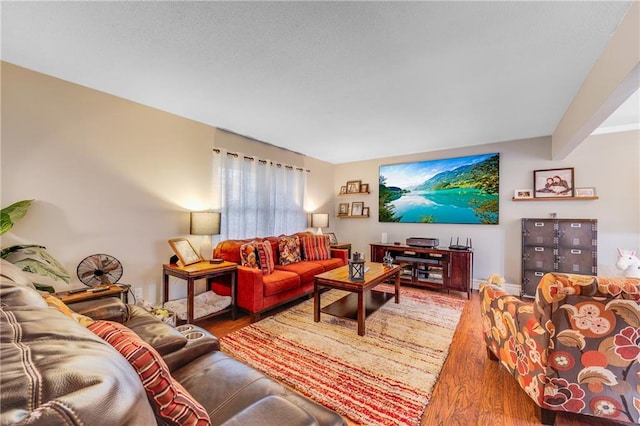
607, 162
112, 176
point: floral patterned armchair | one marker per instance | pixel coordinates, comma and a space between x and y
576, 348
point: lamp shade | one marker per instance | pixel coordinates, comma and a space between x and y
205, 223
319, 220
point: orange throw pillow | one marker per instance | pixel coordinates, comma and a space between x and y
316, 247
59, 305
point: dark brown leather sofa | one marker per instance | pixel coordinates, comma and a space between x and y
57, 372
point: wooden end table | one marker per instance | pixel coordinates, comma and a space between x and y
196, 271
362, 300
343, 246
97, 292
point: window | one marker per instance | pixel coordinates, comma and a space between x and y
258, 198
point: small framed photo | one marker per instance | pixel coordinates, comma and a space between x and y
553, 183
353, 186
356, 208
586, 192
332, 238
343, 209
364, 187
365, 211
522, 194
184, 250
343, 189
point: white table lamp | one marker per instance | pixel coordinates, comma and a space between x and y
319, 220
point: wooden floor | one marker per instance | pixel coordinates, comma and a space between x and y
471, 389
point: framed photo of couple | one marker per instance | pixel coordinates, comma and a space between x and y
553, 183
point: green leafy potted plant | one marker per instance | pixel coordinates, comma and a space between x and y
11, 214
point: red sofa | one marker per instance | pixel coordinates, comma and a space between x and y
258, 292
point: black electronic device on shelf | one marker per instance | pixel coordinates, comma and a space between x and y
422, 242
458, 246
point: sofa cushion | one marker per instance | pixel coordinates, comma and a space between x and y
55, 371
229, 387
331, 263
160, 335
315, 247
289, 249
280, 281
306, 270
171, 402
272, 410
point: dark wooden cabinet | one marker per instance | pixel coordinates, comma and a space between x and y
557, 245
430, 267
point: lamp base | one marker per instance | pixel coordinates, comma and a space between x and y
206, 249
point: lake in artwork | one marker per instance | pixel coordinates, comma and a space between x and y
460, 190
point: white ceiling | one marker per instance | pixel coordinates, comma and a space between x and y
338, 81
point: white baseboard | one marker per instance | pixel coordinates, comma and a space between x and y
510, 288
514, 289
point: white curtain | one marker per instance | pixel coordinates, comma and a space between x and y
258, 198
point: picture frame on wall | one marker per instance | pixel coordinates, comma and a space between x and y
553, 183
585, 192
523, 194
365, 211
364, 187
343, 189
353, 186
343, 209
356, 208
182, 247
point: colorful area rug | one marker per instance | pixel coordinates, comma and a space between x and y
383, 378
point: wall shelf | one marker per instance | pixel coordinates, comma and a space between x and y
345, 216
556, 199
354, 193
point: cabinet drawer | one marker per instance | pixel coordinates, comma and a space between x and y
530, 281
539, 232
577, 234
576, 261
538, 258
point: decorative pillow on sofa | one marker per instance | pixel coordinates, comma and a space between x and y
266, 257
171, 402
59, 305
249, 255
258, 255
45, 269
289, 248
316, 247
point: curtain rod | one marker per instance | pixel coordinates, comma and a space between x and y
246, 157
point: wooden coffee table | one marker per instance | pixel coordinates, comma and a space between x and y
362, 300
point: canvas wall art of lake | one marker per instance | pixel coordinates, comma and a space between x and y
452, 190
